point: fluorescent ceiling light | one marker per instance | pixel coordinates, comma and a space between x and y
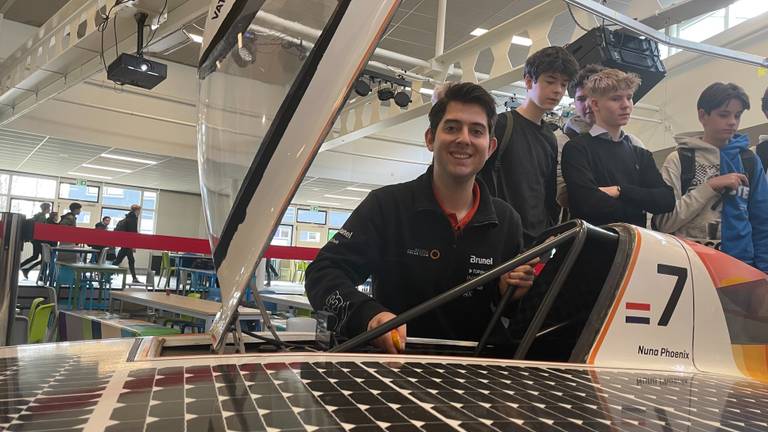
324, 203
106, 168
478, 31
88, 175
196, 38
342, 197
519, 40
425, 91
130, 159
357, 189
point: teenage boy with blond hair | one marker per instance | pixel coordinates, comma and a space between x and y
609, 179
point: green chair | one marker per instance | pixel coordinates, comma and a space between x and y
38, 324
35, 303
166, 269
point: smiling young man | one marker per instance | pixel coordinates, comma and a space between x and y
419, 239
524, 170
718, 181
609, 179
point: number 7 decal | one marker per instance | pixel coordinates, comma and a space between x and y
681, 273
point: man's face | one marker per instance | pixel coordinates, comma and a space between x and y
461, 144
581, 103
548, 90
722, 122
45, 208
77, 211
106, 221
613, 109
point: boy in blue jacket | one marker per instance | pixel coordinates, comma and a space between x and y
715, 176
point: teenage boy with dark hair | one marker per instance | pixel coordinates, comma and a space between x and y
33, 261
420, 238
718, 181
580, 123
130, 223
609, 179
523, 172
762, 141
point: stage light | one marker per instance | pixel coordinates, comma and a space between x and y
362, 88
402, 99
385, 94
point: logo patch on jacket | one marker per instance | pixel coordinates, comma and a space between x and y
479, 260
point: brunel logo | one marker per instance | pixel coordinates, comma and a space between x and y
217, 8
477, 260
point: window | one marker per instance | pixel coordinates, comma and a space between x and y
121, 197
116, 214
147, 222
33, 187
3, 203
289, 217
283, 235
311, 216
150, 200
4, 180
79, 193
27, 207
309, 236
337, 218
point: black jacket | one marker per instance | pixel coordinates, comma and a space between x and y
591, 162
401, 237
129, 224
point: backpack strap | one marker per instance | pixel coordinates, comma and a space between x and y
748, 161
687, 168
505, 137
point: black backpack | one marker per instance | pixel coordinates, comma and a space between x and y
688, 166
495, 182
121, 225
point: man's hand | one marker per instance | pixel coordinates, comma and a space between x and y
386, 341
521, 278
730, 181
611, 191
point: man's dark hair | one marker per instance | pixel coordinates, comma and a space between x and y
765, 101
552, 59
468, 93
583, 76
105, 218
75, 206
718, 94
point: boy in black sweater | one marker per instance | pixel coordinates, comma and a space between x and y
609, 179
421, 238
526, 176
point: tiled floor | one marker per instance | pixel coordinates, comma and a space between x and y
89, 386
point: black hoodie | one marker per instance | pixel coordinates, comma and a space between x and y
400, 236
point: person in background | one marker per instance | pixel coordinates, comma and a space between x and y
523, 170
762, 142
69, 219
580, 123
420, 238
34, 260
718, 181
609, 179
103, 225
129, 224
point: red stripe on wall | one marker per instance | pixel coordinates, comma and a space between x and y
639, 306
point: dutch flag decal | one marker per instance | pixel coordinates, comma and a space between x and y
638, 313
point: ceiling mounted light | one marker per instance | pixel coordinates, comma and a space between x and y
357, 189
478, 31
129, 159
385, 94
123, 170
362, 88
402, 99
522, 41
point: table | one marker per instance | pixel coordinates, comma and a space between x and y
202, 309
88, 325
79, 268
292, 300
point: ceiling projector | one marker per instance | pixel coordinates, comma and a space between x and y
137, 71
